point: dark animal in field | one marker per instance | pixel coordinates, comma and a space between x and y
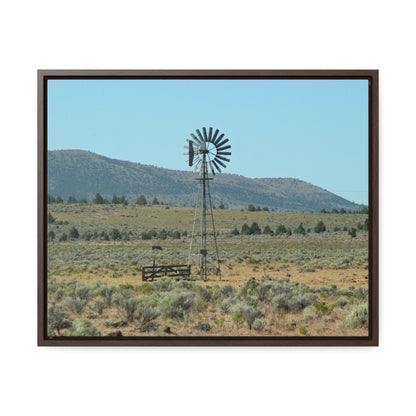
156, 248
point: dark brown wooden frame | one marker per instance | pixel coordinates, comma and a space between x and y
370, 75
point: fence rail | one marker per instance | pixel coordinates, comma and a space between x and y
172, 270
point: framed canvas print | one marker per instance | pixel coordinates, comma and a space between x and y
208, 207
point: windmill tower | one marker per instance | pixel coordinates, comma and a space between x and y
206, 152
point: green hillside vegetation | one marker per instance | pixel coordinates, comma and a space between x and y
80, 174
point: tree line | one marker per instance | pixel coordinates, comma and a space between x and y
254, 229
364, 210
100, 200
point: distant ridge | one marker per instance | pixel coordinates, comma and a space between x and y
83, 174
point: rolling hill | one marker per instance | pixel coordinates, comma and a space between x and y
83, 174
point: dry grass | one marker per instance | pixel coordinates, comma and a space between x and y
239, 274
182, 217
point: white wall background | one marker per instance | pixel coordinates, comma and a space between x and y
217, 34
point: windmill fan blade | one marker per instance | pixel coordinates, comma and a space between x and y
222, 143
195, 138
210, 134
197, 165
212, 169
196, 160
219, 138
218, 168
220, 149
215, 135
224, 153
219, 161
204, 130
222, 158
199, 135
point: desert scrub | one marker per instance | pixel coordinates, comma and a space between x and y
114, 323
176, 304
186, 284
204, 293
344, 292
358, 316
299, 302
216, 293
83, 292
342, 301
325, 291
262, 291
311, 313
129, 306
75, 305
98, 306
83, 328
289, 323
280, 303
145, 289
147, 313
324, 308
289, 302
259, 324
226, 305
107, 293
247, 288
361, 293
248, 312
228, 290
200, 305
164, 284
306, 268
57, 320
252, 300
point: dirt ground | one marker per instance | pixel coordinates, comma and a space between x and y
237, 274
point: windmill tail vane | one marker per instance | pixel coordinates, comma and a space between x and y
206, 152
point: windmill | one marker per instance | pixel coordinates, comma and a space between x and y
206, 152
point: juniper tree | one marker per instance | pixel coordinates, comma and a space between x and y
281, 229
254, 228
98, 199
141, 200
299, 229
73, 233
320, 227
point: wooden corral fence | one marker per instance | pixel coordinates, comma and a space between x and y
171, 270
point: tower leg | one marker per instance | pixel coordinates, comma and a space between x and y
204, 221
203, 193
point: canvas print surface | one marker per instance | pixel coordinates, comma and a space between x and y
234, 207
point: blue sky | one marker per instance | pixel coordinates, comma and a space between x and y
313, 130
